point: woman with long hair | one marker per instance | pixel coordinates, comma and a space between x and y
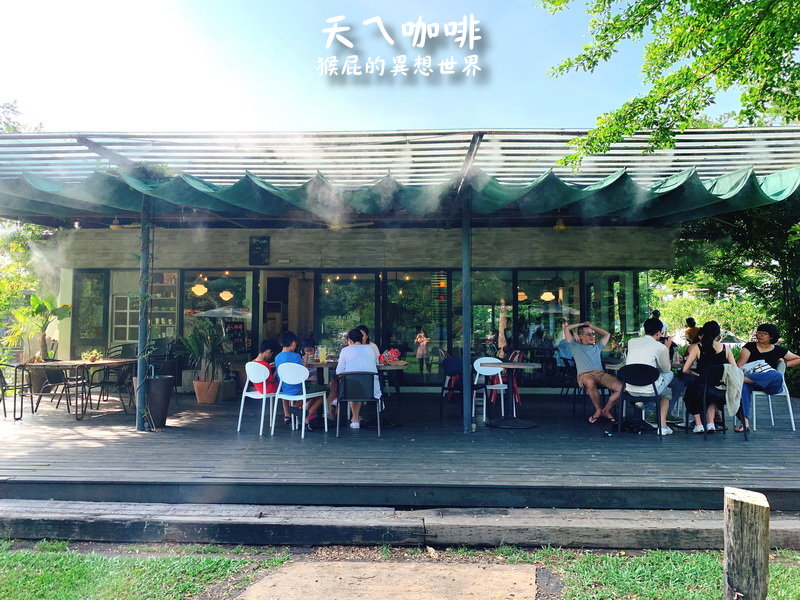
708, 353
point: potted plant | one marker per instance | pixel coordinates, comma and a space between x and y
203, 345
91, 355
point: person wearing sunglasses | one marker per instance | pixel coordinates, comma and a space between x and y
586, 349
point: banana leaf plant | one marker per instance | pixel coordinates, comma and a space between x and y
34, 319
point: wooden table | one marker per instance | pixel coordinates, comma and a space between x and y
325, 366
513, 365
75, 375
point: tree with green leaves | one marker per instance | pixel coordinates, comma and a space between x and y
695, 50
9, 122
754, 255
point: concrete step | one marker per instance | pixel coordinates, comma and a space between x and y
315, 525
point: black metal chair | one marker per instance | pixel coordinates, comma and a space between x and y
59, 385
709, 379
357, 386
546, 358
452, 382
19, 387
112, 378
639, 375
570, 385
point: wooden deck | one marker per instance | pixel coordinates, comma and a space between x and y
564, 462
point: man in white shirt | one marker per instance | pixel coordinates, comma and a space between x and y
648, 350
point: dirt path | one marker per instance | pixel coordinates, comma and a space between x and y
313, 580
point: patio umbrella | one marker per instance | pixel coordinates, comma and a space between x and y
556, 309
729, 338
226, 312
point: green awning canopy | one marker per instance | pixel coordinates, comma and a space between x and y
616, 199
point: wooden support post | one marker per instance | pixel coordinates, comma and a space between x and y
746, 562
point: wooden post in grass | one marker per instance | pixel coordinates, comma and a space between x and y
746, 563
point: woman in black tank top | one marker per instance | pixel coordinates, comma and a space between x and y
709, 353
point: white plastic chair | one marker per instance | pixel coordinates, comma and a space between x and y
256, 373
784, 392
294, 374
486, 372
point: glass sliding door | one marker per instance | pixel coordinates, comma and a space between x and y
416, 309
346, 300
90, 312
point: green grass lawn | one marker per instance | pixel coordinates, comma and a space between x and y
52, 572
652, 575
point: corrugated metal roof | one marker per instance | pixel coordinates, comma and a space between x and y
513, 157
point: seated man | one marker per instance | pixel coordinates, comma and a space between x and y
586, 352
648, 350
288, 354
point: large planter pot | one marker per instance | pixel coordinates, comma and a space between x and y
187, 377
227, 391
206, 391
159, 393
38, 379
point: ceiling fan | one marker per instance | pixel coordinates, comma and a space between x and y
340, 226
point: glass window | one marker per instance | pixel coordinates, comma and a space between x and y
417, 311
225, 297
612, 301
346, 300
544, 300
89, 311
492, 311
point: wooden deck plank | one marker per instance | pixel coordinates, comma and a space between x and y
201, 446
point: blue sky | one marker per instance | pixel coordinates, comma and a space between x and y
252, 65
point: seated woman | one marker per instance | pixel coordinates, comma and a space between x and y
708, 353
357, 356
764, 348
365, 339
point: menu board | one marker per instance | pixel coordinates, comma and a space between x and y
234, 331
259, 250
